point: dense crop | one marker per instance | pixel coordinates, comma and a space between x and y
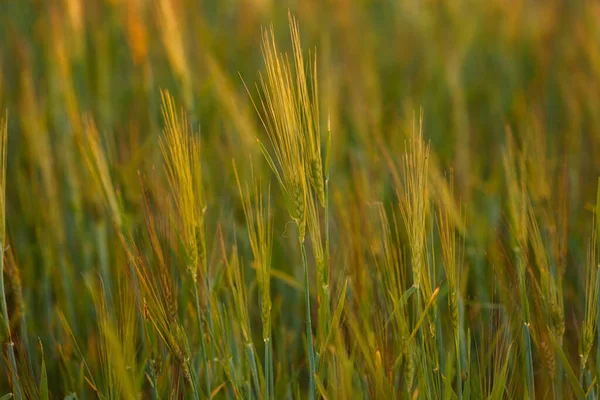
315, 199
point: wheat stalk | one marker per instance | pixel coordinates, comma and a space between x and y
590, 320
3, 244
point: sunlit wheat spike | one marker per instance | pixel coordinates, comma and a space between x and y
307, 92
452, 260
287, 115
181, 151
414, 206
550, 285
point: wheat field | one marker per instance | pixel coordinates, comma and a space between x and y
261, 199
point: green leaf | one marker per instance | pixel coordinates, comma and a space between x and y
579, 393
500, 380
320, 387
424, 313
528, 361
336, 316
7, 396
448, 391
400, 303
418, 324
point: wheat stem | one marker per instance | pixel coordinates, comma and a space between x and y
3, 166
526, 334
254, 371
311, 356
201, 335
10, 345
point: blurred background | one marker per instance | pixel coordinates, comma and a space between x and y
476, 68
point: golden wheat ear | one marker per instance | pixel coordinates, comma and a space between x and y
307, 93
415, 206
181, 152
283, 115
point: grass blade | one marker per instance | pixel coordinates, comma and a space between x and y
577, 389
400, 303
44, 376
336, 316
500, 381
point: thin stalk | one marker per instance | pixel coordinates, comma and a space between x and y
10, 345
327, 266
13, 362
138, 301
267, 377
270, 366
458, 368
311, 354
597, 228
418, 331
468, 365
426, 368
68, 290
155, 395
103, 261
47, 289
591, 393
327, 231
194, 385
559, 374
269, 380
203, 348
3, 305
324, 310
210, 327
25, 337
529, 361
439, 349
462, 340
251, 354
598, 334
526, 336
324, 321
